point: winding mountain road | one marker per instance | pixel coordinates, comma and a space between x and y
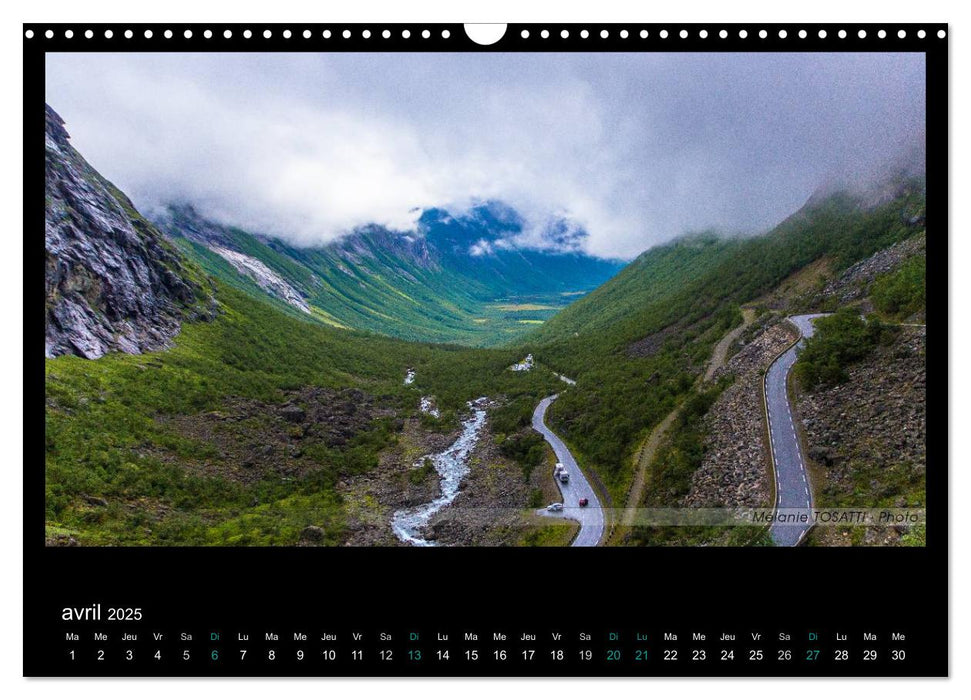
794, 500
591, 517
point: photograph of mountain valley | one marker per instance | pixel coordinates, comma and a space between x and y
485, 299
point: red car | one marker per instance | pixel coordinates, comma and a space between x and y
584, 501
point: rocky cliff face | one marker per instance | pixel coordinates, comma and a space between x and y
867, 438
854, 283
112, 282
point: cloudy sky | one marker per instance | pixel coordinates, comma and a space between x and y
635, 148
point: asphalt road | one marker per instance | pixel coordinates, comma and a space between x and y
591, 517
793, 495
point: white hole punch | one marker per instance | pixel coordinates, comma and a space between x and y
485, 34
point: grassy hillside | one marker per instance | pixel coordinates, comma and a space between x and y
902, 293
653, 275
126, 463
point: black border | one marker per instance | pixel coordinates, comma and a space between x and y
904, 589
512, 40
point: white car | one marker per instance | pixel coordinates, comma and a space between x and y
554, 507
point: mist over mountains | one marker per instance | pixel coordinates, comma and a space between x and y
634, 149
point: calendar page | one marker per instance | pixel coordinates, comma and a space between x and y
486, 350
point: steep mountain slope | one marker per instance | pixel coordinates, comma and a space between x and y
653, 275
637, 344
673, 286
455, 279
112, 281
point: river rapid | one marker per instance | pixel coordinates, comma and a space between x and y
452, 465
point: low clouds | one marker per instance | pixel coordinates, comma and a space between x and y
633, 148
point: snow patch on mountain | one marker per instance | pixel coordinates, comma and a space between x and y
271, 282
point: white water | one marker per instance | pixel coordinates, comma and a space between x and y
427, 405
452, 465
523, 366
